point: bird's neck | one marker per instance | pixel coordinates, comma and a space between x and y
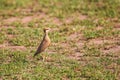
46, 37
46, 33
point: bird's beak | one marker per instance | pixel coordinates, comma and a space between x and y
49, 29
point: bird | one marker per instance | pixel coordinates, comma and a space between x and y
44, 43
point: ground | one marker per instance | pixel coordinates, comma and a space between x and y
85, 37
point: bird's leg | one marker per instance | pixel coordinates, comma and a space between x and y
43, 58
46, 53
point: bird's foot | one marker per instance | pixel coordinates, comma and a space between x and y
41, 58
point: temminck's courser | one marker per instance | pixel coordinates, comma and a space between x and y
44, 43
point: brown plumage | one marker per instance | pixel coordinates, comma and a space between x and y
45, 42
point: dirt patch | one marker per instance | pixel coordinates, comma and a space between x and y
19, 48
107, 46
30, 18
11, 20
5, 27
102, 41
82, 17
115, 20
78, 44
72, 36
96, 41
10, 36
68, 20
76, 51
115, 49
41, 15
27, 10
36, 16
117, 26
1, 79
76, 56
76, 36
99, 28
64, 44
56, 21
111, 66
54, 29
26, 19
2, 45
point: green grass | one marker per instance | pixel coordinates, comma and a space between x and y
76, 52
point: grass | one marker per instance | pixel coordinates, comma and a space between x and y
85, 39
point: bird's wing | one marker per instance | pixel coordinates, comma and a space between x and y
44, 44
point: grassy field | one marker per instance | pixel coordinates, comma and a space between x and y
85, 39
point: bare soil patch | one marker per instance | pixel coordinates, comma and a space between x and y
26, 19
117, 26
115, 49
72, 36
100, 41
82, 17
10, 36
56, 21
68, 20
11, 20
19, 48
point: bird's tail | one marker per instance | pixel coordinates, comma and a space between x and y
35, 54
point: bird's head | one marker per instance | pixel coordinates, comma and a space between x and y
46, 30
